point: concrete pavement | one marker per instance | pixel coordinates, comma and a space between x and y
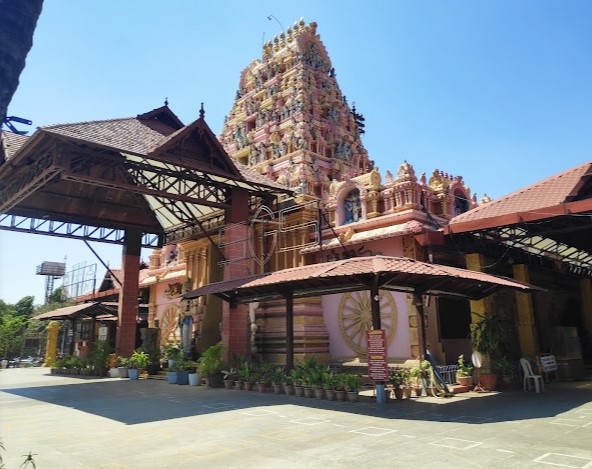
75, 423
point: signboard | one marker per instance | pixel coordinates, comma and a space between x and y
548, 363
377, 361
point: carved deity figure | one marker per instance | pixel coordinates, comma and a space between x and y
353, 207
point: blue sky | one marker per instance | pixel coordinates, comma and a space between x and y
496, 91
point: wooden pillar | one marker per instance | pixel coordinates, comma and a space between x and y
289, 331
525, 314
235, 318
375, 307
128, 296
418, 303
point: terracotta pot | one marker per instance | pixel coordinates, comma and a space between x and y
464, 380
340, 395
488, 381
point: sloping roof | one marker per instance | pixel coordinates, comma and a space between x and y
12, 142
127, 135
76, 311
359, 273
551, 192
407, 228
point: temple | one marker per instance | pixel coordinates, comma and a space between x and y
305, 191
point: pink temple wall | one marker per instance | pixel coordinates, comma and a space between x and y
399, 347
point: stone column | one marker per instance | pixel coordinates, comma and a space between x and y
525, 314
479, 308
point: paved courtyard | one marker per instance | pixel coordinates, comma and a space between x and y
75, 423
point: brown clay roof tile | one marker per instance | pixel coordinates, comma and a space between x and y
549, 192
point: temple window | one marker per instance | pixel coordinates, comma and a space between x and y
352, 207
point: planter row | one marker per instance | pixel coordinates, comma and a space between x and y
291, 390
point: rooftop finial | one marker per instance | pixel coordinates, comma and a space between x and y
202, 113
277, 21
166, 101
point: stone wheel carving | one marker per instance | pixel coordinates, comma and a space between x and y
355, 318
169, 325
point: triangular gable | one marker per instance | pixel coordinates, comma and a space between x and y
162, 114
195, 146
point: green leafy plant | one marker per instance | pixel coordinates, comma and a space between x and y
504, 365
139, 360
211, 360
99, 357
399, 376
463, 368
488, 333
353, 383
277, 375
172, 351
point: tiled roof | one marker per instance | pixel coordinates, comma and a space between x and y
254, 177
138, 136
12, 142
128, 135
84, 309
391, 273
407, 228
550, 192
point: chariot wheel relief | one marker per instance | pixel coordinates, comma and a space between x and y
355, 318
168, 325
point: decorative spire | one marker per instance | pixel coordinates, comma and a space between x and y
202, 113
166, 101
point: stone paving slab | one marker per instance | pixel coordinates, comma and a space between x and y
84, 423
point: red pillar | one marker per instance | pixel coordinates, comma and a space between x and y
235, 320
128, 296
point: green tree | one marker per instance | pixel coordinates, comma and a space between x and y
25, 307
12, 328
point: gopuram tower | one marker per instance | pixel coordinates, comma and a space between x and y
291, 123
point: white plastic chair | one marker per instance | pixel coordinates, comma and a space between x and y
529, 375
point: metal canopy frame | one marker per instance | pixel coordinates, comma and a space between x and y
168, 198
561, 238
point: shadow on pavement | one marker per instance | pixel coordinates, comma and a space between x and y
151, 400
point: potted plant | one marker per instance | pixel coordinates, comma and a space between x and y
340, 393
172, 352
296, 377
194, 376
464, 373
172, 372
487, 337
229, 377
353, 384
154, 366
330, 381
397, 379
506, 368
122, 367
277, 378
99, 358
246, 375
211, 365
138, 361
184, 367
